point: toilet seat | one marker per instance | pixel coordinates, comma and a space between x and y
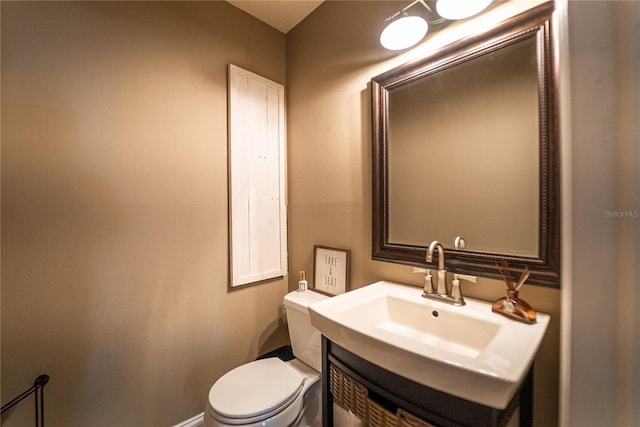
255, 392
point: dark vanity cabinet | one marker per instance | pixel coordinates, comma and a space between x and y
382, 398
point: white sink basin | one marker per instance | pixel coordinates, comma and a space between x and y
466, 351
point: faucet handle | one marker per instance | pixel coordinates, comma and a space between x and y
459, 243
456, 292
466, 277
428, 282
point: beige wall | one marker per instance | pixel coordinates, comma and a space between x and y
601, 203
114, 208
331, 58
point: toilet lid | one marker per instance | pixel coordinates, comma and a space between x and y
255, 388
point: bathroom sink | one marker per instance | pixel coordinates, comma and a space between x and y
466, 351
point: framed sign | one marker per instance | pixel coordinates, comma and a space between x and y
330, 270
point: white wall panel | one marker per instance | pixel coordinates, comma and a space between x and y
258, 235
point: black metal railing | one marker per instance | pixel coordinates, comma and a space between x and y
38, 390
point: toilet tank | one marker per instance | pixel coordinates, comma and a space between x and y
305, 339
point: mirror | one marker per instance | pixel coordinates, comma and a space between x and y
465, 144
433, 139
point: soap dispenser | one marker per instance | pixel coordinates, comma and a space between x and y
302, 283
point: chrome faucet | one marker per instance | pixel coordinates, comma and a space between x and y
442, 273
459, 243
441, 293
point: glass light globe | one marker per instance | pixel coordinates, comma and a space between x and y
403, 33
460, 9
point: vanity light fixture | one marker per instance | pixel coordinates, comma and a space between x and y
460, 9
405, 30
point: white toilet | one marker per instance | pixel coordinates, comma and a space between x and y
270, 392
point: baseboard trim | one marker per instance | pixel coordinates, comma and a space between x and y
197, 421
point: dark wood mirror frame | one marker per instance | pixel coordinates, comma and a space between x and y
545, 267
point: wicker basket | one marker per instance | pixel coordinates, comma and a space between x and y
340, 387
348, 393
354, 397
379, 416
405, 419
